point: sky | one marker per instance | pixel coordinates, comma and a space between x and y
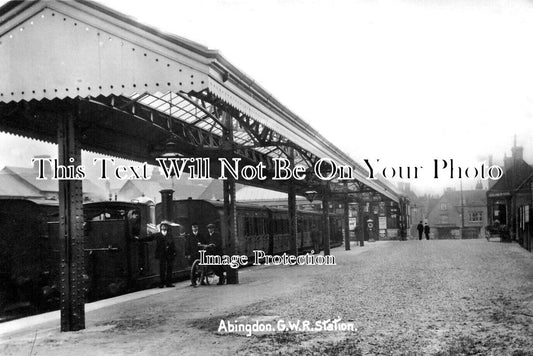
404, 81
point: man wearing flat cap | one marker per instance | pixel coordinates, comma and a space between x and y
165, 252
214, 238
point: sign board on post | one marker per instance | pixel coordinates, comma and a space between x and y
382, 222
352, 223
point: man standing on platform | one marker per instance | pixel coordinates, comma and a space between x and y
165, 252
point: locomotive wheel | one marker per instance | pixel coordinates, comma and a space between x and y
196, 273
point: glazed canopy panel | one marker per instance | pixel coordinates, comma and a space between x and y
140, 87
52, 55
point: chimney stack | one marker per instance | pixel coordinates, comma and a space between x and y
518, 153
490, 181
507, 162
166, 204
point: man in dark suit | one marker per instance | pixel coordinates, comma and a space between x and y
426, 231
420, 229
192, 242
214, 239
165, 252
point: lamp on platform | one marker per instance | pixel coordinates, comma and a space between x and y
310, 195
171, 149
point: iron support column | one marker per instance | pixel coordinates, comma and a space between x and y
361, 222
293, 230
72, 267
230, 209
325, 218
293, 224
346, 221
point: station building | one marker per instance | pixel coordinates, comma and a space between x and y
510, 199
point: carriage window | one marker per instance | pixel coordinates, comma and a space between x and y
101, 217
239, 227
257, 225
254, 226
277, 226
247, 226
134, 220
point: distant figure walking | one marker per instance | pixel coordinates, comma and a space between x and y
426, 231
420, 229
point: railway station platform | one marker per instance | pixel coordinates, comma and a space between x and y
141, 311
436, 297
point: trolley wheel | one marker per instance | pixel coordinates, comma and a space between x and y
196, 273
208, 276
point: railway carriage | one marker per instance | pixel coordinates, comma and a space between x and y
258, 227
28, 265
119, 250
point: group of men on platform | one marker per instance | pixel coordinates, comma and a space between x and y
165, 250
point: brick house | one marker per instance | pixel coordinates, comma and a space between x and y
451, 218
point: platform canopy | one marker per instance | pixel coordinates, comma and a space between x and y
138, 93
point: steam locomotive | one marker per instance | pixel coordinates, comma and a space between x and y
119, 256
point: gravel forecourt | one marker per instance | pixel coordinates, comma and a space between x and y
437, 297
444, 297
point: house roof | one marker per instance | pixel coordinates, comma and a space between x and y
29, 175
471, 198
512, 178
152, 188
214, 190
524, 185
11, 186
24, 180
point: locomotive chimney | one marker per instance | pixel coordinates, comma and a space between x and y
166, 204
